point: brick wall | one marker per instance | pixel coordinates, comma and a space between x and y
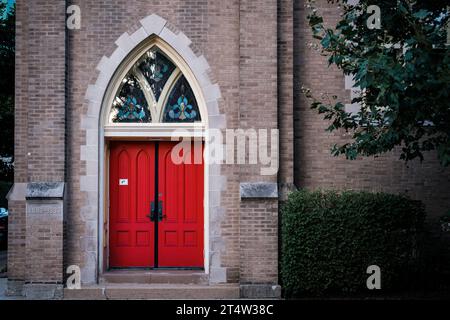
17, 218
315, 167
16, 240
21, 94
258, 109
259, 241
222, 52
39, 128
44, 250
45, 82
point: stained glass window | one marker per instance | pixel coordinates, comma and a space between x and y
181, 105
154, 90
130, 104
156, 68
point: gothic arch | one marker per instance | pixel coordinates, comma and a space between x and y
93, 121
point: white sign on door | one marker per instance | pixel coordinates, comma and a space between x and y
123, 182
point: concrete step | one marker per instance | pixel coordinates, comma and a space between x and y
155, 277
133, 291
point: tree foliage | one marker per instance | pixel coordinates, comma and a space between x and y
402, 70
7, 61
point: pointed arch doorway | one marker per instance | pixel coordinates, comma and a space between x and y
155, 212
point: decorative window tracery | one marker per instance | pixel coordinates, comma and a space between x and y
156, 68
154, 90
130, 104
181, 105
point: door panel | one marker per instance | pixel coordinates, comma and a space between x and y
132, 189
180, 188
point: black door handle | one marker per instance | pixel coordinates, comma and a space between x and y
160, 211
151, 215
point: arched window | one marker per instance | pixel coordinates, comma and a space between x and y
154, 90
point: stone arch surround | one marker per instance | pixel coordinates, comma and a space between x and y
92, 208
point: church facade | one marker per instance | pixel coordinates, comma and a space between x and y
105, 93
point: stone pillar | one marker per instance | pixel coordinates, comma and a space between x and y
44, 240
285, 45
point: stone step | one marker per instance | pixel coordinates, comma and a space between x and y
132, 291
155, 277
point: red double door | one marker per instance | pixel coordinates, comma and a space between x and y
156, 207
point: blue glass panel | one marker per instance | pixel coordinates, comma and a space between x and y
130, 104
181, 105
157, 69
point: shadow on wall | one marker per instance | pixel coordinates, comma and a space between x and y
4, 189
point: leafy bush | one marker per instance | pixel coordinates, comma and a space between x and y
329, 239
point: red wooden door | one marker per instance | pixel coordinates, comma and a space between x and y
180, 189
178, 234
132, 189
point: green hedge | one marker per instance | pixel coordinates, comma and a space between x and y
329, 239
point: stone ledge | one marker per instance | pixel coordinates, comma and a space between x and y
14, 288
261, 291
43, 291
153, 291
258, 190
17, 192
45, 190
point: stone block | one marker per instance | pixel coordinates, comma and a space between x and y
14, 288
218, 275
260, 291
39, 291
258, 190
45, 190
153, 24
